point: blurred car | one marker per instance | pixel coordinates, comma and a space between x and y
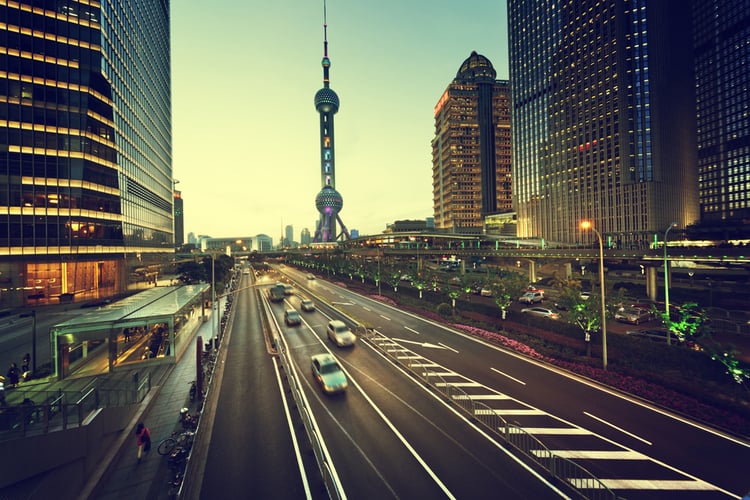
634, 315
340, 334
310, 276
540, 311
307, 305
328, 373
531, 297
585, 295
485, 292
288, 289
291, 317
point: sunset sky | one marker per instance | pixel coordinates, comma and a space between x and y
245, 129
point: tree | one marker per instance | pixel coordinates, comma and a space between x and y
587, 315
508, 285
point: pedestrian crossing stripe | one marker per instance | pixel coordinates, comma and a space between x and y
593, 454
562, 431
481, 396
510, 412
643, 484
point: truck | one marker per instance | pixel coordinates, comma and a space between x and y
276, 293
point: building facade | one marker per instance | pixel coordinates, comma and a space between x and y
85, 146
471, 150
722, 80
603, 119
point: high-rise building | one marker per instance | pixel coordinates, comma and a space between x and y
471, 153
179, 220
304, 237
289, 236
722, 80
603, 118
85, 145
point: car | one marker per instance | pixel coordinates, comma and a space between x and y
531, 297
291, 317
340, 334
310, 276
288, 289
634, 315
485, 292
307, 305
585, 295
540, 311
327, 372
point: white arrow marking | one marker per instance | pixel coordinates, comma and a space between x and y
422, 344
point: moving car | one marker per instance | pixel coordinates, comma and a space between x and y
307, 305
634, 315
328, 373
531, 297
340, 334
291, 317
310, 276
540, 311
288, 289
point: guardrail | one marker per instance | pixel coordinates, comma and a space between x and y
577, 478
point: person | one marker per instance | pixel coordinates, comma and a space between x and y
13, 375
26, 362
142, 440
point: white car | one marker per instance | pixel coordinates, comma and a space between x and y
531, 297
540, 311
340, 334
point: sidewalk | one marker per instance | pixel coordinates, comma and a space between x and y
120, 476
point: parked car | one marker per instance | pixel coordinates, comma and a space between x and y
328, 373
540, 311
485, 292
340, 334
531, 297
291, 317
307, 305
634, 315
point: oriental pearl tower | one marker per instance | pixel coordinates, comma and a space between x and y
328, 201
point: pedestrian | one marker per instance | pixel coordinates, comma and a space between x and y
13, 375
26, 362
142, 439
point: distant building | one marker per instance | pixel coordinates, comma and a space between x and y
263, 243
722, 82
288, 236
604, 125
406, 226
179, 220
354, 233
471, 153
305, 238
86, 187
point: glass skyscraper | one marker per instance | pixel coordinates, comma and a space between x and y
471, 172
603, 118
722, 74
85, 145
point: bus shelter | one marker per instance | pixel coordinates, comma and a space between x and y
150, 327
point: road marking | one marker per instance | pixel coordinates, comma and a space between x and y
342, 303
617, 428
439, 374
552, 431
421, 344
514, 379
458, 384
472, 397
447, 347
643, 484
509, 412
385, 317
411, 330
367, 309
593, 454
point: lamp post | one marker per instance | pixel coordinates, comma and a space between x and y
666, 283
589, 225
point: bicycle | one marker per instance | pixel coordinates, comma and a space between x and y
178, 440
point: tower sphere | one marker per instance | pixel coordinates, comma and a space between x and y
329, 201
326, 100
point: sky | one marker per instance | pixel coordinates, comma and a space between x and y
245, 131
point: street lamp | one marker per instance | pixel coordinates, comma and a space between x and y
587, 224
666, 282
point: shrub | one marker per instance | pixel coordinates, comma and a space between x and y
444, 310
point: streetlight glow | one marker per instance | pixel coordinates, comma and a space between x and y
585, 225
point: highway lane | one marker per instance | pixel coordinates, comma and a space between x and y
390, 437
640, 451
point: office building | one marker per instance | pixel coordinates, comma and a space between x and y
603, 119
179, 220
288, 236
85, 146
722, 80
471, 152
305, 238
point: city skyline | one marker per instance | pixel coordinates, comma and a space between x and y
245, 129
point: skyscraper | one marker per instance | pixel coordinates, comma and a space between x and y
85, 145
288, 236
471, 171
603, 118
722, 74
328, 201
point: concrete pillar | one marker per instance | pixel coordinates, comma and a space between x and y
532, 271
652, 287
568, 270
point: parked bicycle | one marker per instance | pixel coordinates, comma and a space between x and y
182, 439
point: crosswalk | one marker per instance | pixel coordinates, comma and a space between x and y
545, 437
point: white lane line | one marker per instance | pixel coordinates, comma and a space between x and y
514, 379
385, 317
593, 454
458, 384
367, 309
481, 396
617, 428
509, 412
447, 347
645, 484
551, 431
439, 374
425, 365
411, 330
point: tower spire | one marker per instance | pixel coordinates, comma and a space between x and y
326, 62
